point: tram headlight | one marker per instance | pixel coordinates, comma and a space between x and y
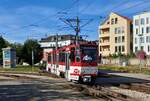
87, 79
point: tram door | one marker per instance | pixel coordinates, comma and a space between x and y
67, 64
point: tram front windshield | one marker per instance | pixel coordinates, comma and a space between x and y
89, 54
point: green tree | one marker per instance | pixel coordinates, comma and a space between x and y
18, 47
28, 46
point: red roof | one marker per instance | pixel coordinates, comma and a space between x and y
123, 16
118, 15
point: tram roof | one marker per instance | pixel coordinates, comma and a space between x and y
74, 45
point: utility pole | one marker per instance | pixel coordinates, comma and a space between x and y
74, 23
32, 58
57, 55
56, 47
75, 27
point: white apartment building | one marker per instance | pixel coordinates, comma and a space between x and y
141, 32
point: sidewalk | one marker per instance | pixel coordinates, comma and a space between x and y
133, 75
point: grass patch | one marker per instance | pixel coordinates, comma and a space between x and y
128, 69
21, 69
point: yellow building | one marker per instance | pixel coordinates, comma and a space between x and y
115, 35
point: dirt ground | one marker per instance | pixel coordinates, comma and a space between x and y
39, 89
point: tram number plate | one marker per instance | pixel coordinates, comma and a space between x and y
74, 77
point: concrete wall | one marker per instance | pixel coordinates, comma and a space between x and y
133, 61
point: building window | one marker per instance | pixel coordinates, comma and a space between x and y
115, 39
122, 48
147, 20
122, 29
119, 39
116, 20
142, 30
116, 30
72, 37
142, 21
119, 48
112, 21
122, 38
119, 30
135, 40
59, 38
148, 48
136, 22
108, 22
147, 39
136, 30
116, 48
136, 49
142, 47
147, 29
141, 39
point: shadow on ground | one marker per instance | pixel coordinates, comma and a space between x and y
38, 91
107, 77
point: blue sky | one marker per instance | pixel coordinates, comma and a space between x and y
24, 19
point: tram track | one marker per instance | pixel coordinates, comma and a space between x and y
114, 93
139, 91
106, 92
102, 92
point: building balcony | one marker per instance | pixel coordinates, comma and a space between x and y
104, 27
105, 53
107, 43
105, 34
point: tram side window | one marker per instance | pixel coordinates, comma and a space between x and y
61, 57
49, 57
72, 55
54, 58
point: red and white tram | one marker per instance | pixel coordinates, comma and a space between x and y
74, 62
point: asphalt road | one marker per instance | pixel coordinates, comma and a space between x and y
121, 78
12, 89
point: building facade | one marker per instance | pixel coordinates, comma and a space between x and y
115, 35
141, 36
48, 44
